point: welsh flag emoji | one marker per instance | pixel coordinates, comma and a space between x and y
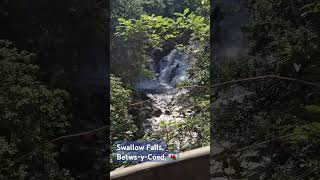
173, 157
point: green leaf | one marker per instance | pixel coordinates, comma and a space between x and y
191, 16
179, 19
186, 11
145, 17
121, 20
178, 14
313, 108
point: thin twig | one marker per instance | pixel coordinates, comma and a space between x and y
255, 78
308, 172
265, 142
265, 77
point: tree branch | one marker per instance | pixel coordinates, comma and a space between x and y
266, 77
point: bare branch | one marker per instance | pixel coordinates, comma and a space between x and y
265, 77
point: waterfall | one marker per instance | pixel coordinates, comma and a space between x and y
170, 70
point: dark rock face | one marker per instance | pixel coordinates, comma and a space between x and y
173, 72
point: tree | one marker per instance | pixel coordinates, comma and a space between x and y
122, 126
31, 114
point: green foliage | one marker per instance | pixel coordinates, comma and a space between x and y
127, 9
311, 9
306, 132
158, 29
31, 114
193, 132
201, 7
273, 129
122, 126
198, 98
133, 9
313, 108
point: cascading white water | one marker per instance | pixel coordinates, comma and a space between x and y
172, 69
169, 71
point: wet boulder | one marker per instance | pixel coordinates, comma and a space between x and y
157, 112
